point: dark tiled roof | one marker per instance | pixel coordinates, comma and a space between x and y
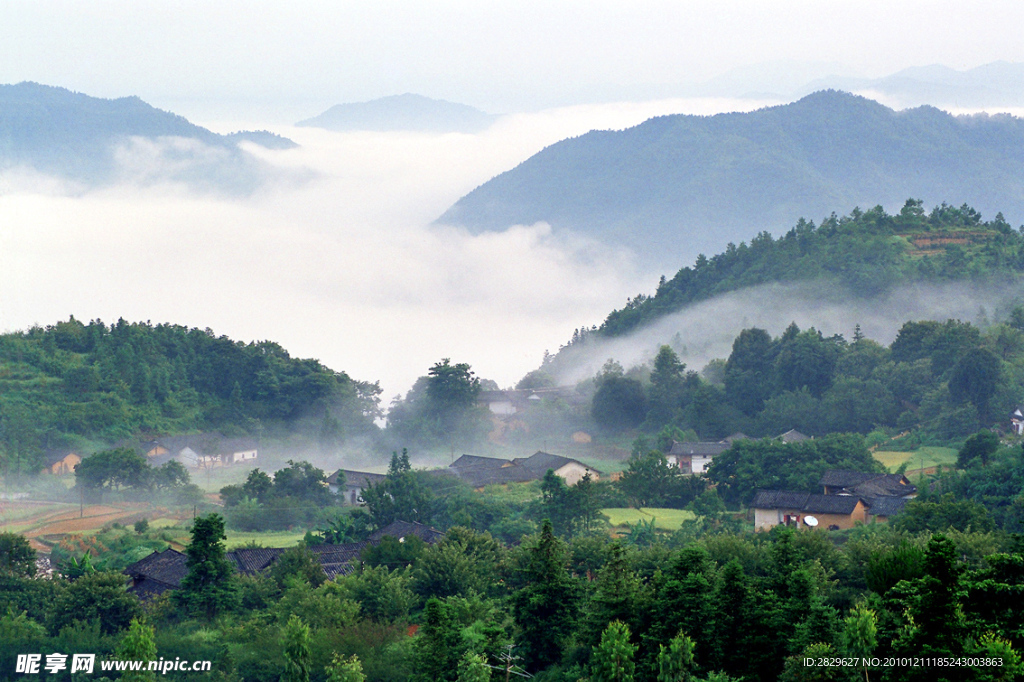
356, 479
51, 457
401, 529
539, 463
157, 573
739, 435
831, 504
702, 449
884, 486
792, 436
779, 499
886, 506
806, 502
478, 477
842, 478
250, 560
476, 461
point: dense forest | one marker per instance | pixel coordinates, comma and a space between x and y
937, 383
75, 384
867, 252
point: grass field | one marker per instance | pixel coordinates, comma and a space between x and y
922, 458
664, 519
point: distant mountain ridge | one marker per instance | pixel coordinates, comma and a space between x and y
71, 135
675, 186
402, 112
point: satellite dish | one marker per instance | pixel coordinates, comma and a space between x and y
811, 521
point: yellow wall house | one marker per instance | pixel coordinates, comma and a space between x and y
806, 510
61, 462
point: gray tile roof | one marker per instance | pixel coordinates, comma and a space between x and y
886, 506
356, 479
401, 529
476, 461
808, 503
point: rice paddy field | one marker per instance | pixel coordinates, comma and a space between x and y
664, 519
922, 458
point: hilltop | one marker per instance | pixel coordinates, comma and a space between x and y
92, 140
676, 186
402, 112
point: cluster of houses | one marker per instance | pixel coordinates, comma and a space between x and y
694, 458
847, 497
163, 571
199, 451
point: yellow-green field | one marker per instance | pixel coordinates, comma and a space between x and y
922, 458
664, 519
284, 538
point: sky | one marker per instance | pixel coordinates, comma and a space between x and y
335, 256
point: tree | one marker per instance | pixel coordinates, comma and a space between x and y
675, 662
667, 386
298, 562
138, 644
343, 669
545, 606
112, 470
649, 480
399, 497
612, 659
473, 668
860, 635
207, 588
101, 596
439, 645
975, 378
619, 403
17, 558
748, 370
296, 651
981, 446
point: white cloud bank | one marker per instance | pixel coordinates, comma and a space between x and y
342, 265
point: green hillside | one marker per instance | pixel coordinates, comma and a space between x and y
72, 384
867, 251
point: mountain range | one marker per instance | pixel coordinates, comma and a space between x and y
676, 186
95, 141
402, 112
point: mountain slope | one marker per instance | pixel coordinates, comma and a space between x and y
402, 112
88, 139
679, 185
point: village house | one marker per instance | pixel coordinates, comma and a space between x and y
201, 451
810, 510
61, 461
163, 571
483, 471
355, 483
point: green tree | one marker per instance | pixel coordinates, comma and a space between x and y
298, 562
473, 668
439, 645
296, 651
112, 470
748, 371
207, 588
545, 606
612, 659
667, 386
399, 497
675, 662
975, 378
619, 403
17, 558
101, 596
137, 644
981, 446
860, 635
343, 669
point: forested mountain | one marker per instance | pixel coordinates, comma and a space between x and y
402, 112
869, 252
87, 139
676, 186
73, 383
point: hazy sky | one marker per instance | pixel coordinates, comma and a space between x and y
346, 268
287, 61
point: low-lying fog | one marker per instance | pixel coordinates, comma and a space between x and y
334, 257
